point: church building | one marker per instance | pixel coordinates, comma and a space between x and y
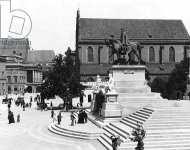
164, 43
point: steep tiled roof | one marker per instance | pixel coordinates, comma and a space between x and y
40, 56
136, 29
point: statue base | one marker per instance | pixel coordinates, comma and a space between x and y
111, 109
132, 88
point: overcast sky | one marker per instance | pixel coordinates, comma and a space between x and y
54, 20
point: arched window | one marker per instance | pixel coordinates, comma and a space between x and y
151, 54
171, 54
90, 54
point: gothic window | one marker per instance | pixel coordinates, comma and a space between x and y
99, 54
151, 54
171, 54
90, 54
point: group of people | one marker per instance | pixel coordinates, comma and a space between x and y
53, 116
82, 116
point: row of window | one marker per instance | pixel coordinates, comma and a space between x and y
15, 89
152, 54
15, 79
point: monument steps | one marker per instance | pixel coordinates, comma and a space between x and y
72, 134
143, 113
131, 119
168, 125
178, 138
113, 130
159, 146
121, 127
124, 127
137, 117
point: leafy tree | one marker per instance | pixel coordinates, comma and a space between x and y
62, 79
159, 85
178, 79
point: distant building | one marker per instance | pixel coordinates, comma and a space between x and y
165, 43
21, 68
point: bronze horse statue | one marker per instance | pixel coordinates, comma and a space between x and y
122, 48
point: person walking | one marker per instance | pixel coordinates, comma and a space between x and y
18, 118
72, 119
52, 113
81, 98
59, 118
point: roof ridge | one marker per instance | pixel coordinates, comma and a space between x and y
132, 19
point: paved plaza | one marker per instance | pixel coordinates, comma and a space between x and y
32, 132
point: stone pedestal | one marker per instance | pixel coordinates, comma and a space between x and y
132, 88
111, 108
130, 78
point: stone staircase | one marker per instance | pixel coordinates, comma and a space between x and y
124, 127
56, 129
67, 132
167, 129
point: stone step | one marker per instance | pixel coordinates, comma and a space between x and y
118, 132
168, 128
73, 134
164, 122
143, 113
128, 124
170, 138
148, 109
171, 131
132, 120
120, 126
105, 142
137, 117
155, 120
177, 146
140, 115
167, 125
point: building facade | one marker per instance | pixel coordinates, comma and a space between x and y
21, 69
164, 43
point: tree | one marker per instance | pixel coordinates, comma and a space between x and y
62, 78
178, 80
159, 85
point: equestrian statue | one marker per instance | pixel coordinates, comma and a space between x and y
124, 48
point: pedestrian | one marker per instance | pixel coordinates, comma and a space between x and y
18, 118
24, 106
85, 116
72, 119
81, 98
52, 113
59, 118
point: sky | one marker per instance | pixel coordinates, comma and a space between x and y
54, 21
